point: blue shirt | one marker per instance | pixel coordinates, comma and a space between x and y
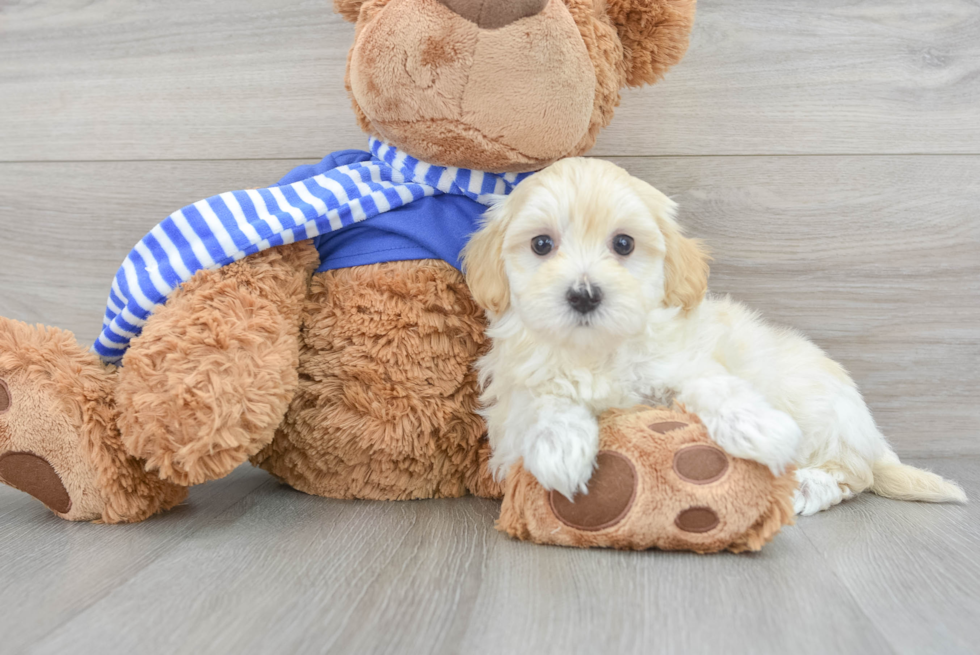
434, 227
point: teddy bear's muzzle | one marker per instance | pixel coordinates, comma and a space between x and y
494, 14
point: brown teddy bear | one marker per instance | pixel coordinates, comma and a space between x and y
660, 482
345, 375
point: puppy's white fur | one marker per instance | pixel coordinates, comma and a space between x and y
764, 393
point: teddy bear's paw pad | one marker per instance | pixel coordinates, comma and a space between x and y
701, 464
34, 475
697, 520
42, 452
612, 492
665, 427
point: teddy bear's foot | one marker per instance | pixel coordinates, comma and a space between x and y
209, 380
660, 482
57, 431
42, 450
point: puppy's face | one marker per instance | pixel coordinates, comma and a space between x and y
582, 252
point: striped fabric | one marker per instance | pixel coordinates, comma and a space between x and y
218, 231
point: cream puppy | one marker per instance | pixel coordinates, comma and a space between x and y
596, 300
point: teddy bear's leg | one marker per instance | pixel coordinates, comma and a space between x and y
59, 440
388, 393
209, 380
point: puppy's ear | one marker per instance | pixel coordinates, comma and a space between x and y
686, 268
483, 263
654, 33
686, 262
349, 9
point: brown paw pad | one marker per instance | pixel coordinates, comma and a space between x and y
700, 464
5, 400
612, 491
666, 426
697, 520
34, 475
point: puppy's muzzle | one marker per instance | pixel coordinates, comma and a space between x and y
584, 300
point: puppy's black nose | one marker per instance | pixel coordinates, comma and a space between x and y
584, 300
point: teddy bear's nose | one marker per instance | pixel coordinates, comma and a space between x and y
493, 14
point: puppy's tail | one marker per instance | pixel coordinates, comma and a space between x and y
892, 479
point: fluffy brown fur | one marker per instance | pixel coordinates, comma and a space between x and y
654, 34
63, 411
750, 502
208, 382
510, 99
385, 408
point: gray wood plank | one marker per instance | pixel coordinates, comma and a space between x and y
53, 570
298, 574
134, 80
876, 258
911, 567
830, 77
781, 600
304, 575
285, 572
131, 79
250, 566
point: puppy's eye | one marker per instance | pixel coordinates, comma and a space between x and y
542, 245
623, 244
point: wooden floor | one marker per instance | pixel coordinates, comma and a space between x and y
251, 566
828, 151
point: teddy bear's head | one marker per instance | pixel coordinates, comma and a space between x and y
504, 85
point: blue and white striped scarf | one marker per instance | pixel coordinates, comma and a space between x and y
218, 231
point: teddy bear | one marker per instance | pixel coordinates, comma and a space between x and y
321, 328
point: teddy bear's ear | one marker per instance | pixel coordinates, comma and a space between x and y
654, 34
349, 9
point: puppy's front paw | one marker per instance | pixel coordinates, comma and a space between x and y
758, 432
561, 451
